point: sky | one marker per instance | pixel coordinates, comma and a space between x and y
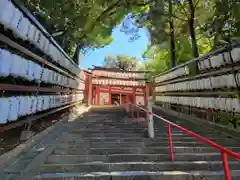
120, 45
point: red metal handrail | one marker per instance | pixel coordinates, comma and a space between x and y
224, 151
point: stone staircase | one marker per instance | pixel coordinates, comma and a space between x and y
106, 145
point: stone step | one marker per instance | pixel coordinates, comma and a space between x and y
123, 134
113, 121
110, 119
103, 127
137, 166
129, 130
149, 150
134, 144
136, 134
146, 144
94, 128
121, 131
111, 128
71, 159
118, 121
117, 129
141, 175
130, 139
139, 135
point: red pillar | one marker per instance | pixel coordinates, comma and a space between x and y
110, 96
90, 91
134, 95
93, 101
98, 95
94, 92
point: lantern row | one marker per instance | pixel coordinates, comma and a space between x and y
118, 82
216, 82
13, 19
214, 62
220, 60
224, 104
19, 67
13, 108
125, 75
183, 71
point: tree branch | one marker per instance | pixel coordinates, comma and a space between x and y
196, 4
140, 4
184, 10
98, 20
100, 17
173, 15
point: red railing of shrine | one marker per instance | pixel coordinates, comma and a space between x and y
224, 151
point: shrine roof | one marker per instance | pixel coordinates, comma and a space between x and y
87, 71
115, 70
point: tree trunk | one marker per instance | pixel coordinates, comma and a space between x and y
192, 28
172, 37
191, 22
76, 53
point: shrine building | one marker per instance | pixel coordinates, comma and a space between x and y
108, 86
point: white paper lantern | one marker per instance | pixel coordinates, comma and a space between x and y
5, 104
5, 62
14, 109
15, 69
7, 11
22, 106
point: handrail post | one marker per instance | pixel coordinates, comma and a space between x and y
170, 141
150, 119
225, 166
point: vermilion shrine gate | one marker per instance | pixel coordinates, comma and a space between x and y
106, 86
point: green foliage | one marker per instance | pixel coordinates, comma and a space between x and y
122, 62
157, 60
213, 21
86, 24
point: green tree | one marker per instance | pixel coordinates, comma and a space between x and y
122, 62
85, 24
156, 59
199, 25
224, 24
